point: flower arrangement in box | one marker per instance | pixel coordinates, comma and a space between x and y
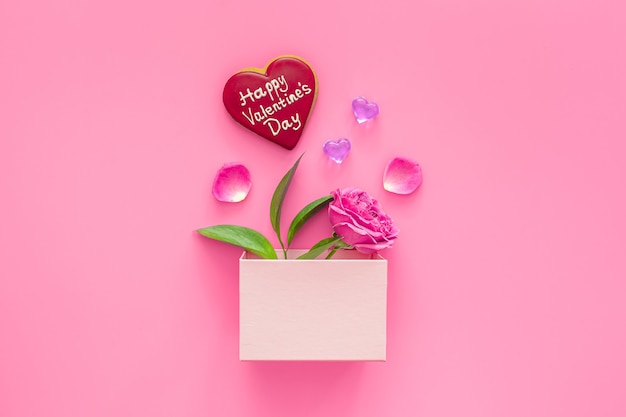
308, 308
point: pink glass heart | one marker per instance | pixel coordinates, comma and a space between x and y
337, 150
402, 176
364, 110
232, 183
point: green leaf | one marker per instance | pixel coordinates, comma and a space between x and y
320, 247
279, 197
245, 238
305, 214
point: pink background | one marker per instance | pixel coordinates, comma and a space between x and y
506, 293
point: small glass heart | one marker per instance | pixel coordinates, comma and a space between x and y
364, 110
232, 183
337, 150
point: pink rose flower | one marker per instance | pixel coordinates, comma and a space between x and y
360, 221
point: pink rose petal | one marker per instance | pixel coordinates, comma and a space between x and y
402, 176
232, 183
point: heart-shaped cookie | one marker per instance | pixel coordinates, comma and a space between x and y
275, 102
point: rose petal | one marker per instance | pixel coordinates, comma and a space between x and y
232, 183
373, 248
402, 176
353, 235
337, 215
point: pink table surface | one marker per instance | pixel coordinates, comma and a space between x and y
506, 288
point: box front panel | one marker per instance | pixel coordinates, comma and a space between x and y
313, 310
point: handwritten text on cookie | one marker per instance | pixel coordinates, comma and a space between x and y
277, 89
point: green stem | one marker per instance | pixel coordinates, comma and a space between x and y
332, 252
282, 245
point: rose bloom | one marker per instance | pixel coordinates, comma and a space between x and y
360, 221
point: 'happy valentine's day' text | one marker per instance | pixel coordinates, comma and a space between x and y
278, 91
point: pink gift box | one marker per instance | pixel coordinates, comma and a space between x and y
313, 310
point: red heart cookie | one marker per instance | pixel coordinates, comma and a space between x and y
275, 102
